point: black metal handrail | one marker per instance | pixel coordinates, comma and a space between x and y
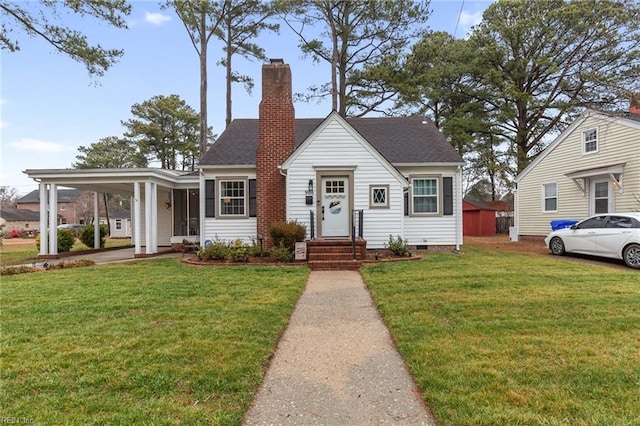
312, 222
356, 217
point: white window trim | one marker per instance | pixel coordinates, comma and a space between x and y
373, 205
545, 198
438, 179
584, 141
219, 198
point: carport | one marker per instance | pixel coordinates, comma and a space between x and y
162, 201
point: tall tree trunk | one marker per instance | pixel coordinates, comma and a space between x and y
229, 75
203, 83
106, 212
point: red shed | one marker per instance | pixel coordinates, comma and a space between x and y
478, 219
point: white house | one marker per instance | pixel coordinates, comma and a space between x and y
365, 178
120, 224
592, 167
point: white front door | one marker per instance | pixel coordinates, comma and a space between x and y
335, 206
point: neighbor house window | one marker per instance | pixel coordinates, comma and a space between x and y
379, 196
233, 197
590, 139
118, 224
550, 197
425, 195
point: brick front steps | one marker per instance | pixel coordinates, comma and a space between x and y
335, 254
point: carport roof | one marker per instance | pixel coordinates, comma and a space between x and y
119, 181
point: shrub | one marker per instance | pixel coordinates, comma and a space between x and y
86, 236
281, 254
255, 251
397, 246
217, 250
65, 240
15, 270
287, 233
238, 251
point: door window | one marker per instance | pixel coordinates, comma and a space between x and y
601, 197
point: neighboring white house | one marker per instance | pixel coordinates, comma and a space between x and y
120, 225
592, 167
370, 178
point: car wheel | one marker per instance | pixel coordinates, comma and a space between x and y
557, 246
631, 256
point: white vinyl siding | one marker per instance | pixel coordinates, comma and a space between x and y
435, 230
617, 144
229, 228
334, 146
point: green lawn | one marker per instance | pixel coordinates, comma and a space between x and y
26, 252
148, 342
491, 338
495, 338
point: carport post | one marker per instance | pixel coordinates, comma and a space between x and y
96, 221
44, 236
137, 230
53, 219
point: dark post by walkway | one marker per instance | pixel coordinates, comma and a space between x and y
336, 363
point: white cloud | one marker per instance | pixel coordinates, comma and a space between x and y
28, 144
470, 19
156, 18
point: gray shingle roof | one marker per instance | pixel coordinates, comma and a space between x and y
64, 196
10, 214
399, 139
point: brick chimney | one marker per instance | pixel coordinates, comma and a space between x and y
275, 145
634, 105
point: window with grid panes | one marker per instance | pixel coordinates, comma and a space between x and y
379, 196
334, 187
590, 138
550, 197
425, 195
232, 197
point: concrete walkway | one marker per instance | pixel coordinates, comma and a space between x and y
336, 363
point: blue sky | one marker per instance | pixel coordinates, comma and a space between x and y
50, 105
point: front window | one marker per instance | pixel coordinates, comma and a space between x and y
118, 224
425, 195
233, 197
379, 196
590, 139
550, 197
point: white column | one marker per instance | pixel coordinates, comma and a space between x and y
148, 199
137, 228
53, 218
44, 217
154, 217
96, 221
